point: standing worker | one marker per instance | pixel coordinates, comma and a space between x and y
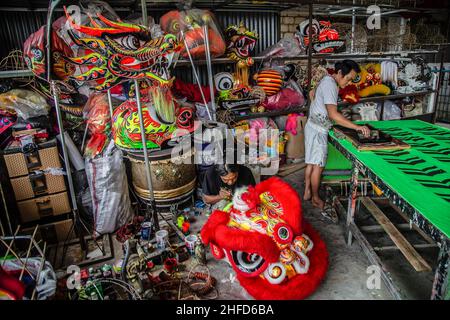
322, 112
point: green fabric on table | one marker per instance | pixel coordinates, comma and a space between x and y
420, 175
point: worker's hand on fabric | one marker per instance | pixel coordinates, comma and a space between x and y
225, 194
364, 130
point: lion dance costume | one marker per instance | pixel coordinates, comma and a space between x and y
274, 251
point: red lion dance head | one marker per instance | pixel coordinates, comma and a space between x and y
275, 253
325, 39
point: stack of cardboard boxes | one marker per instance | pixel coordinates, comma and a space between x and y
37, 180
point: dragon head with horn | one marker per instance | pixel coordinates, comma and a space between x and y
116, 52
121, 51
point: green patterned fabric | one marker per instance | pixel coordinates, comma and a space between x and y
420, 175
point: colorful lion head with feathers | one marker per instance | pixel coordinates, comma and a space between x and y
275, 253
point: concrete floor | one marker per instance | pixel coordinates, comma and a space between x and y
347, 275
346, 278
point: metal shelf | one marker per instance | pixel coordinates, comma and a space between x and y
16, 74
270, 113
231, 5
338, 7
343, 55
390, 97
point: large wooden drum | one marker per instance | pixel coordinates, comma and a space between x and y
173, 177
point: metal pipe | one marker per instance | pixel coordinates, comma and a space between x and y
343, 10
439, 84
6, 211
337, 172
209, 66
63, 144
194, 70
27, 237
352, 203
145, 150
84, 138
9, 247
144, 12
111, 111
2, 230
16, 256
310, 5
48, 31
374, 59
402, 32
27, 256
353, 28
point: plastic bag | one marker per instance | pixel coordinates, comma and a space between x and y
288, 97
390, 112
191, 22
286, 47
109, 189
98, 119
97, 115
34, 52
46, 287
26, 104
84, 14
367, 111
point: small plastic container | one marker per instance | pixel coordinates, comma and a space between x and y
190, 243
162, 237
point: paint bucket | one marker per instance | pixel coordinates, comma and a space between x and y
162, 237
190, 243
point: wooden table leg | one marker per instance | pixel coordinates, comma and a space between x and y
441, 284
352, 198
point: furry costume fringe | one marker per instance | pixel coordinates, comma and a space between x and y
217, 232
299, 287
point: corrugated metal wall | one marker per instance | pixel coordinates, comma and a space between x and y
15, 27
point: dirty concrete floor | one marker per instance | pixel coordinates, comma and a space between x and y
347, 276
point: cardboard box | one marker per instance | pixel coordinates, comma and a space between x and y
45, 206
54, 233
35, 185
295, 146
19, 163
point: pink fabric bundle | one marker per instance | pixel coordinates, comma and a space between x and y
291, 124
286, 98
